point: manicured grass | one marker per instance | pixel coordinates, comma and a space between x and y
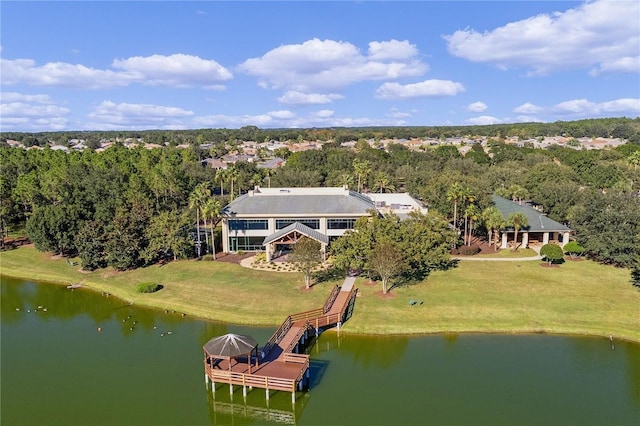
581, 298
510, 254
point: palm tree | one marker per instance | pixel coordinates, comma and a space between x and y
221, 176
197, 198
233, 175
493, 220
517, 221
455, 194
382, 180
518, 193
473, 213
212, 210
362, 169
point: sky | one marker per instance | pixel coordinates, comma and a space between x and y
122, 65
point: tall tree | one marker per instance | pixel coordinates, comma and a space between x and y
306, 256
221, 177
384, 182
493, 220
387, 260
197, 199
362, 169
517, 221
168, 235
212, 210
455, 193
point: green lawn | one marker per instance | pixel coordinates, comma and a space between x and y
507, 297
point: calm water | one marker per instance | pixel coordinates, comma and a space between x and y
57, 369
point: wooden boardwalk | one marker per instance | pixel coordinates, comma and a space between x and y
280, 365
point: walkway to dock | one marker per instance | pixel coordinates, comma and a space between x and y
281, 364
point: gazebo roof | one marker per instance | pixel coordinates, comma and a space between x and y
230, 346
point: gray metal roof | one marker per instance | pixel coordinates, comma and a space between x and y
301, 228
538, 221
350, 203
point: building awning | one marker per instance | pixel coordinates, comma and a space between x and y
299, 228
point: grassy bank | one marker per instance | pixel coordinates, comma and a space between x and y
581, 298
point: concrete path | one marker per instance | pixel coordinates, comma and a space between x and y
348, 283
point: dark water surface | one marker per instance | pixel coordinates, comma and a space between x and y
57, 369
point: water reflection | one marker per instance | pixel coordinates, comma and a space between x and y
138, 373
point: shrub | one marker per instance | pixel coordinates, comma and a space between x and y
574, 249
207, 257
240, 252
260, 258
148, 287
469, 250
552, 253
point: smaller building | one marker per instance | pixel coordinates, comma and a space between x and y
539, 230
398, 203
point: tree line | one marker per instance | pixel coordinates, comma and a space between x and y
131, 207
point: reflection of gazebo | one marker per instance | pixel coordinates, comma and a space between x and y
228, 347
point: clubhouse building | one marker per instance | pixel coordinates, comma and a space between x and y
273, 219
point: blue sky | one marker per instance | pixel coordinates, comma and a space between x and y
119, 65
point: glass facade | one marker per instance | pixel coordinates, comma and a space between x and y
341, 223
311, 223
246, 243
245, 224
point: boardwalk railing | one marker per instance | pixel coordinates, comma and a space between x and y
332, 298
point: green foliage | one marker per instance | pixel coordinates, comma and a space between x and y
148, 287
469, 250
424, 241
306, 256
607, 225
386, 260
574, 249
552, 253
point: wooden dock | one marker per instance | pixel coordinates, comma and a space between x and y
281, 365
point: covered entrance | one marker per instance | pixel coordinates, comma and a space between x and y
284, 240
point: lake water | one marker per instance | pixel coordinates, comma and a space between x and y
58, 369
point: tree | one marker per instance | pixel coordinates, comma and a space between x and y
552, 253
197, 199
455, 194
517, 221
91, 243
493, 220
634, 159
221, 177
382, 180
232, 175
306, 256
362, 169
472, 212
518, 193
574, 249
212, 210
386, 259
168, 234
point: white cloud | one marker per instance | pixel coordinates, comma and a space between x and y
174, 70
318, 65
22, 112
602, 35
584, 107
293, 97
395, 113
282, 114
427, 88
324, 113
392, 49
109, 115
484, 120
477, 107
527, 108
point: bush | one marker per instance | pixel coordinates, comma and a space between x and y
148, 287
260, 258
552, 253
207, 257
469, 250
574, 249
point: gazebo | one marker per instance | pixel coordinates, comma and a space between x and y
228, 347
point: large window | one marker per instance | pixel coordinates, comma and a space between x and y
245, 243
311, 223
245, 224
341, 223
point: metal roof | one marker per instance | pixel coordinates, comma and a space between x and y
295, 202
538, 221
230, 346
299, 227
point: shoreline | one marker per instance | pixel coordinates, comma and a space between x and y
435, 317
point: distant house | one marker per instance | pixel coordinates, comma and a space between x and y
540, 229
214, 163
273, 163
